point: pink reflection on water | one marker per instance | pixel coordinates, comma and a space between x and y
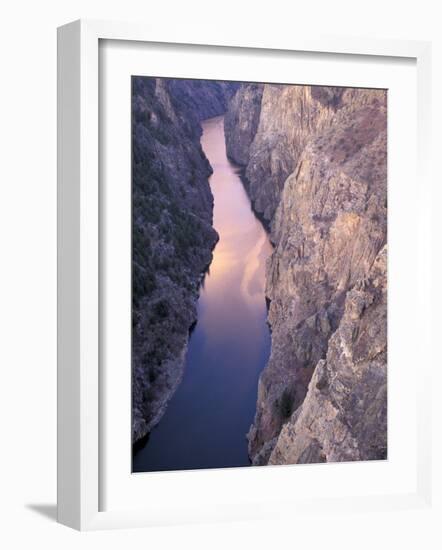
233, 292
207, 419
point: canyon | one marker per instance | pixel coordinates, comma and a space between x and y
172, 233
313, 160
206, 419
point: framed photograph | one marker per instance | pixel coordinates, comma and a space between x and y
235, 223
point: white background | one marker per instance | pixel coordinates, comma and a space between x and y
28, 277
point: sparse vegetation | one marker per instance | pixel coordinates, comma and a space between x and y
285, 403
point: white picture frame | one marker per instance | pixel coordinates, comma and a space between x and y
79, 409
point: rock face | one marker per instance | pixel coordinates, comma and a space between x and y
241, 122
344, 414
267, 127
172, 235
316, 169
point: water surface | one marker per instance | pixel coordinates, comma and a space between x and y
207, 419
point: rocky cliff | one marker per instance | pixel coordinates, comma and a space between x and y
316, 170
172, 235
241, 122
344, 414
267, 127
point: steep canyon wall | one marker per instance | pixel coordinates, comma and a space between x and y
315, 166
172, 234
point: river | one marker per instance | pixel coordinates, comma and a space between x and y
207, 419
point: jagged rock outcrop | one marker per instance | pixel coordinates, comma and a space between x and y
241, 122
172, 233
267, 127
344, 414
317, 171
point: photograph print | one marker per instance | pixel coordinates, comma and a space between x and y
259, 274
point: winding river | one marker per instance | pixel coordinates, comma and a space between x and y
207, 419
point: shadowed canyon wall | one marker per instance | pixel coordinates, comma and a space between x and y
172, 231
315, 166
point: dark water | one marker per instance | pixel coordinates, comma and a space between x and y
207, 419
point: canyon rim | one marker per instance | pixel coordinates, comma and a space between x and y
259, 274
